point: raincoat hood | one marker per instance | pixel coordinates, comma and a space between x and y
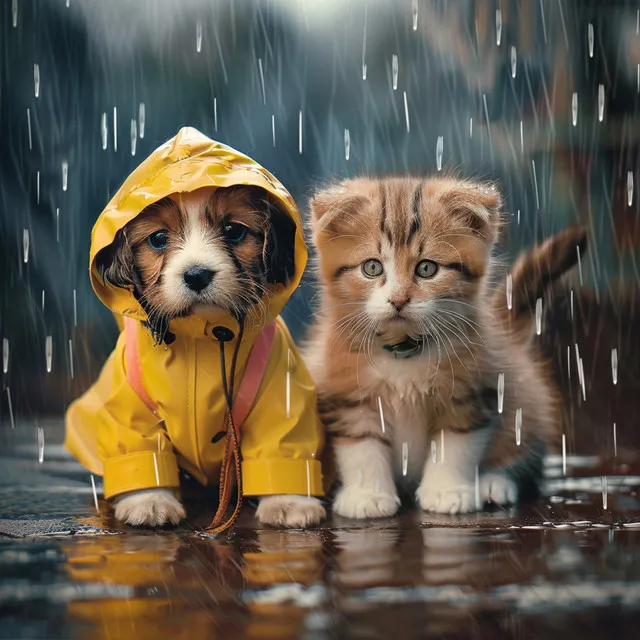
139, 444
188, 161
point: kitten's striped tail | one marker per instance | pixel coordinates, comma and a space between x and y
533, 273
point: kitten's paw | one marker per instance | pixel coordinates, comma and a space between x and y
294, 512
360, 503
498, 488
460, 498
150, 507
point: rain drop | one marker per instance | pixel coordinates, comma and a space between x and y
273, 129
347, 144
604, 493
630, 188
590, 39
198, 36
65, 174
42, 301
68, 3
500, 392
5, 355
14, 13
260, 69
471, 127
71, 358
104, 131
600, 102
514, 60
115, 128
434, 452
300, 132
48, 352
134, 136
25, 245
564, 454
364, 45
36, 79
615, 440
509, 291
414, 10
518, 426
95, 493
141, 119
394, 70
406, 112
539, 316
614, 365
498, 26
405, 458
29, 129
40, 436
381, 414
10, 405
574, 109
439, 149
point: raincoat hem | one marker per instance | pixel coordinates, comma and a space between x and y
140, 470
278, 476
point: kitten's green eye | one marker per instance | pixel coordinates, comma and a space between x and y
426, 269
158, 240
372, 268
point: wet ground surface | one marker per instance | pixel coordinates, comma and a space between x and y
567, 565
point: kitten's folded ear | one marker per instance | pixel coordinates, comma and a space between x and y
115, 263
279, 244
334, 204
478, 208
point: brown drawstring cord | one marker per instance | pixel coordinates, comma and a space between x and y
232, 453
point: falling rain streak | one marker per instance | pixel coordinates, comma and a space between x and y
394, 71
65, 175
441, 446
14, 13
104, 131
381, 414
134, 136
574, 109
615, 440
347, 144
414, 11
590, 39
155, 466
42, 301
29, 129
630, 188
477, 489
535, 183
71, 369
142, 115
498, 26
25, 245
40, 438
36, 80
564, 454
539, 316
115, 128
471, 127
406, 111
273, 129
600, 102
518, 426
364, 44
509, 291
10, 406
95, 493
514, 60
215, 114
614, 365
261, 71
500, 392
287, 398
5, 355
604, 493
439, 150
405, 458
198, 36
300, 132
48, 352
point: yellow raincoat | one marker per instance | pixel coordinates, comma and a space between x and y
110, 429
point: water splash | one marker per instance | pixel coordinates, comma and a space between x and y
10, 406
65, 175
414, 11
615, 440
405, 458
518, 426
198, 36
509, 291
36, 80
500, 392
590, 39
514, 60
261, 72
614, 365
498, 26
574, 109
600, 102
273, 129
48, 352
25, 245
14, 13
564, 454
394, 71
115, 128
5, 355
40, 438
347, 144
29, 129
630, 188
439, 150
604, 493
381, 414
539, 316
142, 116
95, 493
134, 136
406, 112
104, 131
434, 452
71, 367
300, 132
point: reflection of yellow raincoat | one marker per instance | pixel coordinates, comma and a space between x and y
113, 433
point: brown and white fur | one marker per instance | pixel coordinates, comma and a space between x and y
169, 254
433, 420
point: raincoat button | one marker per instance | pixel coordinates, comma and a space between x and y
223, 334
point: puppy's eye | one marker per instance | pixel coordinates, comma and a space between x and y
426, 269
234, 232
372, 268
158, 240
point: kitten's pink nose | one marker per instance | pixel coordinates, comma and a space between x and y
399, 302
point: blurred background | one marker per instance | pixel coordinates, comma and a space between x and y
540, 95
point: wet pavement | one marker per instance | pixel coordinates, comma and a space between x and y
567, 565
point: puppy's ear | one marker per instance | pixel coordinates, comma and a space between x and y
279, 244
116, 265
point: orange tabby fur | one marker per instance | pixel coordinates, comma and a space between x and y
442, 403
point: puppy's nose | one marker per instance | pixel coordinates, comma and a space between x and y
197, 278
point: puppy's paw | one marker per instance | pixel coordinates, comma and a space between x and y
498, 488
150, 507
361, 503
294, 512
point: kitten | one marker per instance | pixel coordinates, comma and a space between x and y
413, 344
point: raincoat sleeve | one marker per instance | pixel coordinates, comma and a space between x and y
281, 448
112, 428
